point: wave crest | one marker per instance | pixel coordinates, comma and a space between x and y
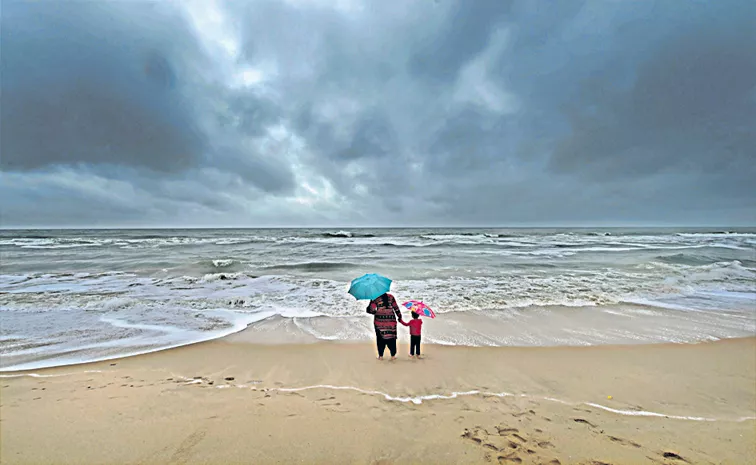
223, 262
312, 266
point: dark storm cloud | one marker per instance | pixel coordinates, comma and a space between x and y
643, 115
430, 112
263, 172
469, 142
464, 34
373, 137
99, 84
688, 110
79, 86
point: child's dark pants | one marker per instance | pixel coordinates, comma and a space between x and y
414, 345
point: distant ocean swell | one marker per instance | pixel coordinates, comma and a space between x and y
588, 240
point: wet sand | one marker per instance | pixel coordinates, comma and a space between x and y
233, 401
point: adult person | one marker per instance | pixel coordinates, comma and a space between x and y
386, 312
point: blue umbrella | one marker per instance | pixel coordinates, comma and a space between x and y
369, 286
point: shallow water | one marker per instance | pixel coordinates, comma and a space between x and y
74, 295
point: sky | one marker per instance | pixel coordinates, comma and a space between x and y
335, 113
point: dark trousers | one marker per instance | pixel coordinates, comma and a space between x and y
383, 343
414, 345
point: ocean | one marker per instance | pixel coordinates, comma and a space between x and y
70, 296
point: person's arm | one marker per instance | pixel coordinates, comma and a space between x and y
403, 322
372, 308
396, 308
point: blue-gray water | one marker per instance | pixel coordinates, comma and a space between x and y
74, 295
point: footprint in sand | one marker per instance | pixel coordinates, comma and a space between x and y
328, 404
511, 458
585, 422
624, 442
184, 451
512, 444
496, 443
673, 455
505, 431
472, 435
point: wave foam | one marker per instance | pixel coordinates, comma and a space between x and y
210, 277
417, 400
38, 375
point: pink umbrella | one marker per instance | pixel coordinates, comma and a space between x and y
419, 308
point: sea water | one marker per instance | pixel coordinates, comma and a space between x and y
68, 296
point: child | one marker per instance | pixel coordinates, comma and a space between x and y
415, 327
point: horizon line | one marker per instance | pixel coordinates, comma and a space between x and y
342, 227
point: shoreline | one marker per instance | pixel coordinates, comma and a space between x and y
232, 401
240, 337
275, 330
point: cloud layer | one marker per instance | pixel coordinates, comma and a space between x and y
338, 113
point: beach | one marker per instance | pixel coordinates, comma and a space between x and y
236, 400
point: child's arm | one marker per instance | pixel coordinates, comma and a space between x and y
403, 322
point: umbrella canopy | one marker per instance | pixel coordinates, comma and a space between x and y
369, 286
419, 308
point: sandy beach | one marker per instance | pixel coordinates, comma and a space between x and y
238, 401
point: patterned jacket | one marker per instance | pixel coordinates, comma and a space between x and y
386, 312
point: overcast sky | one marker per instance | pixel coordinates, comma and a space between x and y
377, 113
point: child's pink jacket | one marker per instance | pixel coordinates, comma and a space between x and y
415, 326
